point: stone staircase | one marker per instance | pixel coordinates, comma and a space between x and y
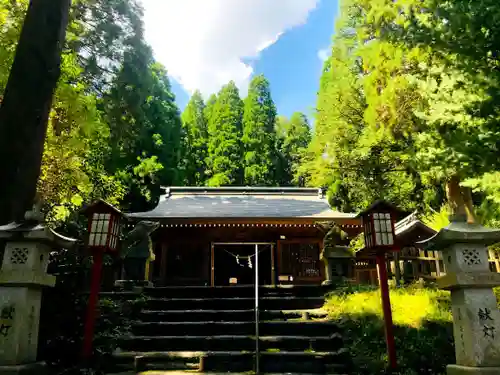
213, 330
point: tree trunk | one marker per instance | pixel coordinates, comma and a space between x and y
460, 200
26, 104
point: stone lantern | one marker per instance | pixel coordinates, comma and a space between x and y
22, 277
476, 317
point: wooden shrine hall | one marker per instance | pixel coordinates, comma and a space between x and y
207, 236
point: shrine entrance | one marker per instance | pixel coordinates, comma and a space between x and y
234, 263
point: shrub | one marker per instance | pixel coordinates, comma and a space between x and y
423, 329
63, 314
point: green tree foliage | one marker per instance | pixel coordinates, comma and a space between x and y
282, 174
408, 105
457, 140
407, 110
194, 141
115, 131
144, 123
101, 32
76, 143
11, 20
73, 169
114, 128
224, 166
209, 107
352, 151
259, 138
296, 139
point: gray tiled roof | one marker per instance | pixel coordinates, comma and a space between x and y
243, 203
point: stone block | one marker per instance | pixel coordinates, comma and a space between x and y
11, 278
37, 368
466, 257
462, 280
29, 256
19, 320
464, 370
476, 329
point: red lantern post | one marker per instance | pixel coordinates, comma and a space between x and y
103, 237
379, 234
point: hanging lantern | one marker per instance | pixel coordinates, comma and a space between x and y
378, 225
103, 226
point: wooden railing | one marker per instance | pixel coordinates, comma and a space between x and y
415, 263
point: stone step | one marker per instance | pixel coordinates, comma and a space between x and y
186, 372
235, 291
226, 342
226, 315
298, 362
203, 315
212, 328
265, 303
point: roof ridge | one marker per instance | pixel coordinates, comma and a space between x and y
241, 190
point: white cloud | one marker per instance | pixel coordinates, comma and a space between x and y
202, 42
324, 53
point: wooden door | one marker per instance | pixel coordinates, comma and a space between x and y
299, 263
187, 263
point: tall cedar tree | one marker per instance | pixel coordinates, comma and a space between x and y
297, 136
281, 170
194, 141
258, 134
352, 151
209, 107
145, 126
224, 145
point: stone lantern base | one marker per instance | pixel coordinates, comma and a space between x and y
38, 368
22, 277
473, 303
464, 370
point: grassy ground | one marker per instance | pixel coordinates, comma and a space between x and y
423, 329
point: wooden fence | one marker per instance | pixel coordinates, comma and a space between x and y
414, 264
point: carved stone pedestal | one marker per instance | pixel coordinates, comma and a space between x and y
22, 277
476, 317
335, 260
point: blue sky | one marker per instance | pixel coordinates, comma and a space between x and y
205, 43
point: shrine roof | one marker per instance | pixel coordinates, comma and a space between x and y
412, 227
242, 203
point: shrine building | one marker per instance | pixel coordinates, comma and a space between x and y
208, 236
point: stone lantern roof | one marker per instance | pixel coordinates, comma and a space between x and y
34, 231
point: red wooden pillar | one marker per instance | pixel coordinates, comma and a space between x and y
386, 308
95, 286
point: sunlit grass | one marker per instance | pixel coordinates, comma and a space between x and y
422, 328
410, 306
